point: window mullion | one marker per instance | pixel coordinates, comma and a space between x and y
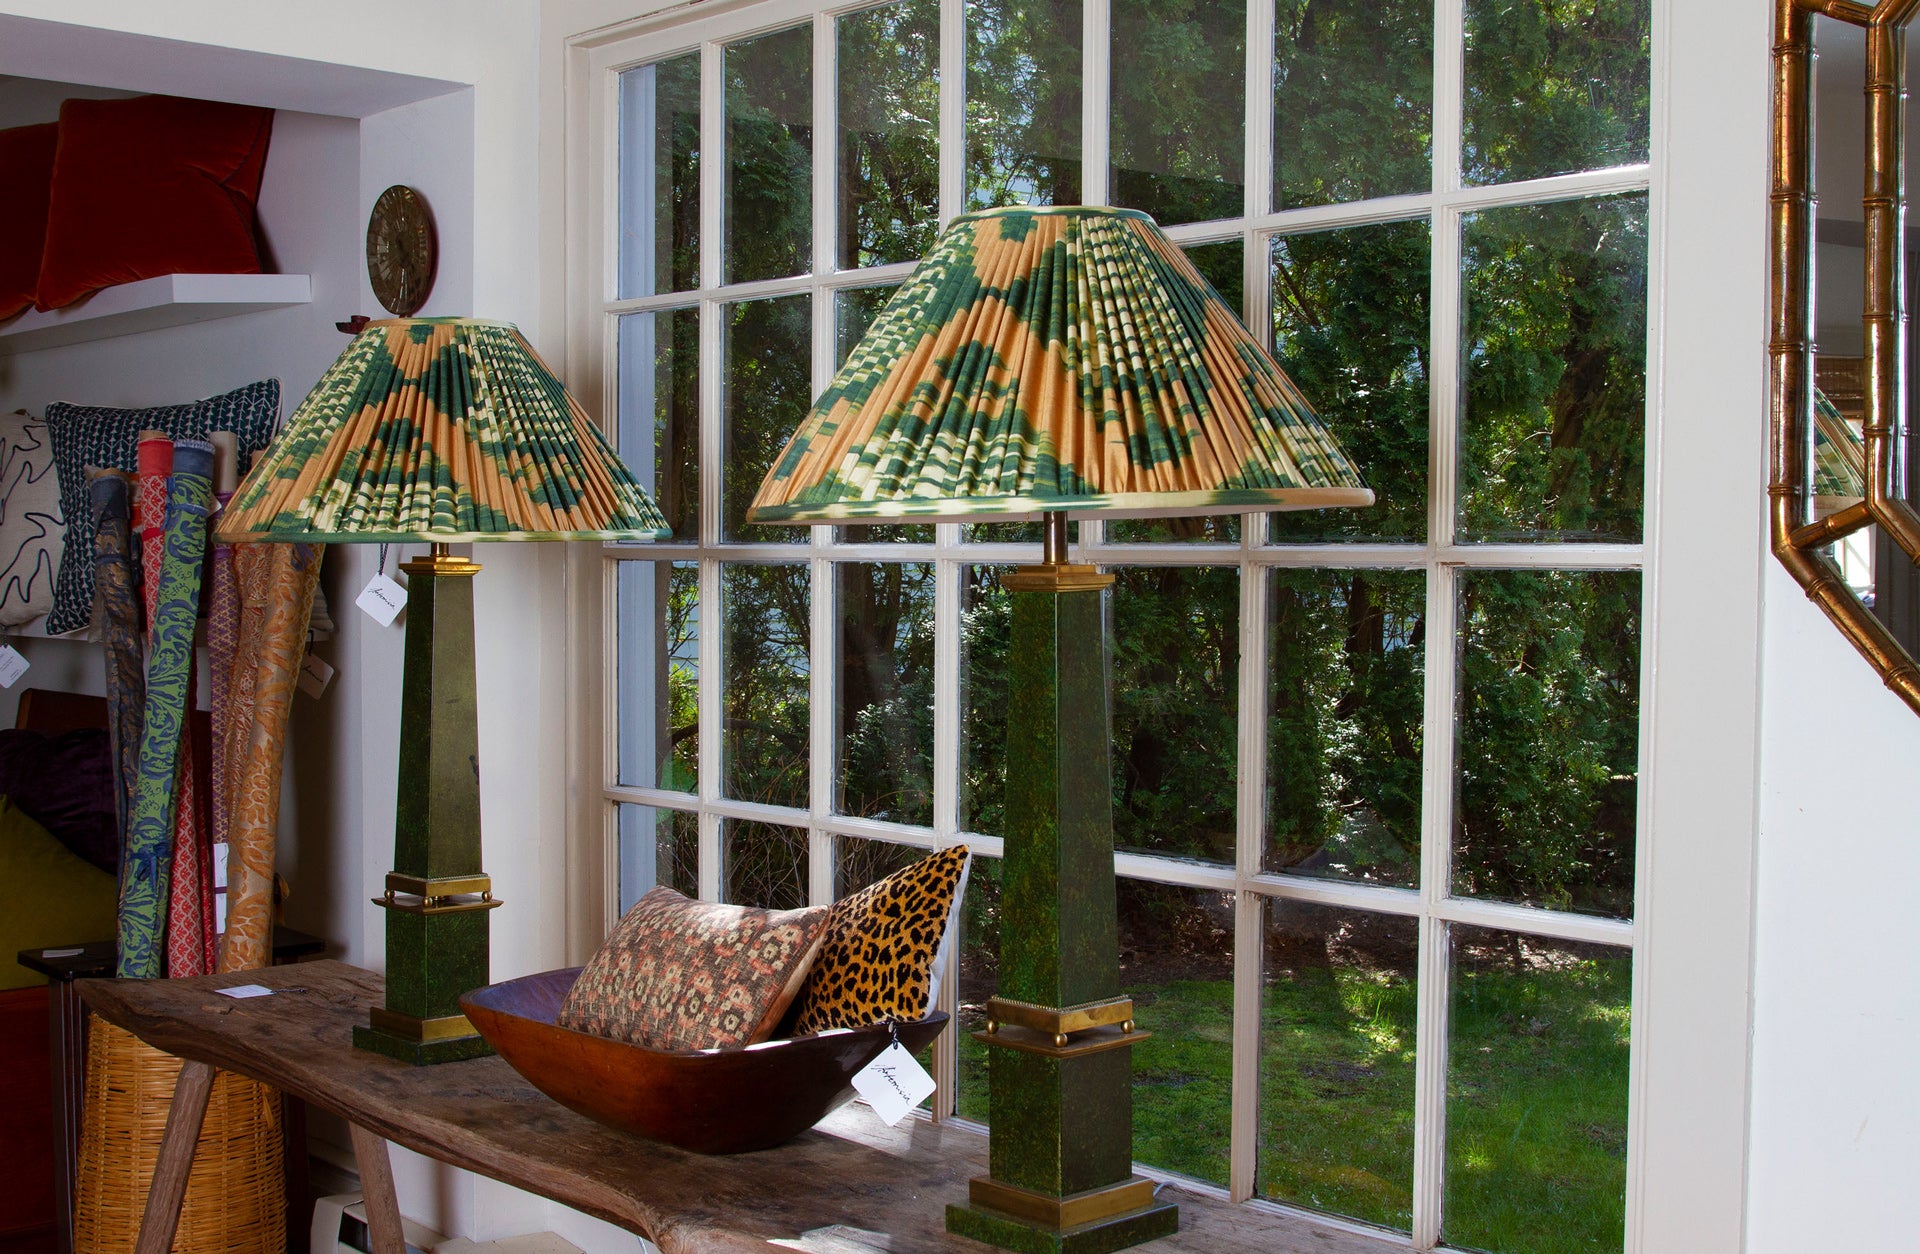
953, 110
947, 576
1430, 1047
1249, 907
1096, 99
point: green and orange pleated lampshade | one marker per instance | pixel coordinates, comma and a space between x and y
447, 430
1050, 359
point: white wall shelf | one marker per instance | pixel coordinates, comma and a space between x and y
169, 301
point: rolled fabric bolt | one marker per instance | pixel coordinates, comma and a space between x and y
116, 612
147, 879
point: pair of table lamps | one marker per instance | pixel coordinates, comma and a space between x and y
1039, 362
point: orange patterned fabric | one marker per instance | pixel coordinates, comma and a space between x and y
276, 584
682, 975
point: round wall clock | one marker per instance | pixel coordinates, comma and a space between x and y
401, 250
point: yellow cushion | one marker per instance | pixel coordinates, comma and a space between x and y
47, 896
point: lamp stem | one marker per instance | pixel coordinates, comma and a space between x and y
1053, 551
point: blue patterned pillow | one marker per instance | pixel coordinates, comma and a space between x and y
88, 435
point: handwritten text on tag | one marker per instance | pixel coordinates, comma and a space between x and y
315, 675
893, 1083
383, 599
12, 666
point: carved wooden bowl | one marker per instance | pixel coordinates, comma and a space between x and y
723, 1101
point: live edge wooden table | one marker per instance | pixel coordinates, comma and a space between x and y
848, 1186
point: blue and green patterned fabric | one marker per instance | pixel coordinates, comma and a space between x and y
92, 435
116, 607
145, 874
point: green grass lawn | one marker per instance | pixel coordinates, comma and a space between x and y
1536, 1137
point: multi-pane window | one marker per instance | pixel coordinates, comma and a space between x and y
1376, 772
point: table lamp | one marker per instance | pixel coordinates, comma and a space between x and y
445, 431
1041, 362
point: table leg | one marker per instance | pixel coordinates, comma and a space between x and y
169, 1187
376, 1192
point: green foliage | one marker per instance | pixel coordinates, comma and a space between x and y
889, 122
1346, 69
1548, 739
886, 691
1176, 152
1023, 102
769, 193
1555, 86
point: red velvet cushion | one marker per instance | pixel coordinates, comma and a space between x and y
150, 186
26, 170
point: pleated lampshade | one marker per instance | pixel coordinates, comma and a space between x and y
447, 430
1047, 359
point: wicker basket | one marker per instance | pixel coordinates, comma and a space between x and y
236, 1196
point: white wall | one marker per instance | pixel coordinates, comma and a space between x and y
1834, 1118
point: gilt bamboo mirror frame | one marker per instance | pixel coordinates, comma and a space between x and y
1802, 534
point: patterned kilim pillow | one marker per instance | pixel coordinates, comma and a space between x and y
884, 947
89, 435
680, 974
30, 527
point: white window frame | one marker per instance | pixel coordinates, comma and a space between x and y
1703, 554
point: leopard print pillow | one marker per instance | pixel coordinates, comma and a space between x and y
884, 945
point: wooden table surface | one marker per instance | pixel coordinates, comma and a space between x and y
849, 1186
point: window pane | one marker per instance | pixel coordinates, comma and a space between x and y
1548, 738
659, 433
854, 310
1023, 102
1537, 1094
986, 627
769, 204
1220, 264
1350, 327
763, 864
1553, 368
885, 719
1345, 712
1336, 1061
1552, 88
659, 671
1352, 100
768, 392
1179, 114
764, 683
1175, 668
889, 133
660, 177
859, 863
979, 980
1176, 962
657, 847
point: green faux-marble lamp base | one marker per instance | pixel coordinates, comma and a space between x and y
1060, 1032
437, 898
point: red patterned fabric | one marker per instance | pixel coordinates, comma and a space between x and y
683, 975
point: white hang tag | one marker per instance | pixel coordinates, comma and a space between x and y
245, 990
12, 665
894, 1083
315, 675
383, 599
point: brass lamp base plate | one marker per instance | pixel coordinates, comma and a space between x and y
420, 1053
1098, 1236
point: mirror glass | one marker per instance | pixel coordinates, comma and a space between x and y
1873, 567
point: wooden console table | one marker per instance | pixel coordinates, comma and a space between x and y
848, 1186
